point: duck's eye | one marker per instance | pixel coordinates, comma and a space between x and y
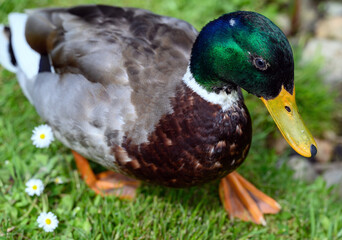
260, 63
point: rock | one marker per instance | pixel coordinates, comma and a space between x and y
308, 16
321, 168
280, 145
324, 151
331, 51
333, 9
284, 23
333, 177
330, 136
330, 28
302, 168
337, 153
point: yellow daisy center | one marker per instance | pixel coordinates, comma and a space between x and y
35, 187
42, 136
48, 221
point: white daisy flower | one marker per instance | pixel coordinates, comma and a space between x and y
42, 136
47, 221
58, 180
34, 187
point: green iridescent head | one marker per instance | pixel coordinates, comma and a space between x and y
243, 49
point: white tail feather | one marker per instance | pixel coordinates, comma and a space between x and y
5, 57
27, 58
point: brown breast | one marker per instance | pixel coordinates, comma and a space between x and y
195, 144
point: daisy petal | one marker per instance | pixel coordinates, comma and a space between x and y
47, 221
59, 180
34, 187
42, 136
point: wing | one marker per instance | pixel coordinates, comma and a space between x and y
114, 71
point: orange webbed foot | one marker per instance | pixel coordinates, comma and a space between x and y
243, 200
108, 182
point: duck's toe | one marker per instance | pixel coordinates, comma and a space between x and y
244, 201
108, 182
112, 183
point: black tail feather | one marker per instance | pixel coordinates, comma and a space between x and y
44, 63
7, 31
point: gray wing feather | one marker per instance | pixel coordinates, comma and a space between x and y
116, 70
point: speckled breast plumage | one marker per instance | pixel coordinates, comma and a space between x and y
195, 144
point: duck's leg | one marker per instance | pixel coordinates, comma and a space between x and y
106, 183
243, 200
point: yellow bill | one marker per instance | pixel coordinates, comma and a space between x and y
284, 112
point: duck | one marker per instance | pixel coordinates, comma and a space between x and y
152, 99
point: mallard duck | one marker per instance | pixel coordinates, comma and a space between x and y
151, 99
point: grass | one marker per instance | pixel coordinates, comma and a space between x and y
310, 211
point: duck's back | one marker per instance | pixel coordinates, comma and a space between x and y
110, 85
